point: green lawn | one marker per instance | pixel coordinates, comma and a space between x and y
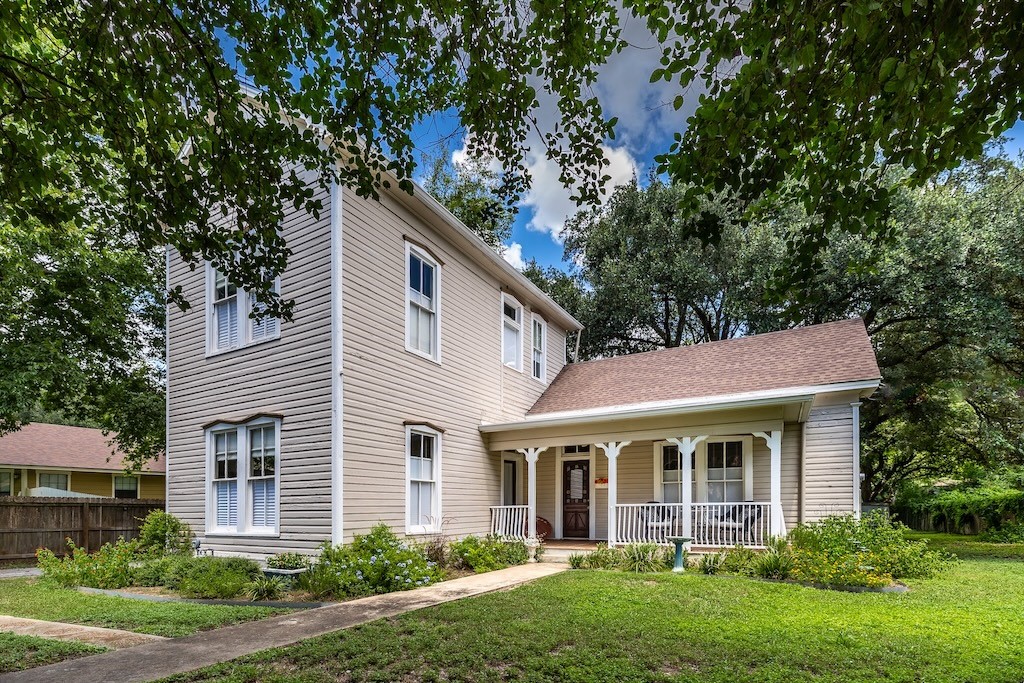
25, 652
966, 625
967, 547
30, 598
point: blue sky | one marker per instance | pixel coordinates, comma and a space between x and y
541, 214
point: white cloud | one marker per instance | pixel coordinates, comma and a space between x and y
550, 202
513, 253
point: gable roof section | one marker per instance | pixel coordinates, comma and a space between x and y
61, 446
800, 358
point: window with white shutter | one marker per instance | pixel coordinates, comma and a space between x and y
262, 479
511, 332
423, 504
225, 313
234, 318
262, 327
225, 478
422, 296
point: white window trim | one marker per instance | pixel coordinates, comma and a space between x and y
46, 471
244, 527
560, 457
701, 472
512, 301
435, 526
4, 470
113, 484
534, 319
244, 321
423, 255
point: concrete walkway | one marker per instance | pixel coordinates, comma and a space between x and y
20, 573
93, 635
157, 660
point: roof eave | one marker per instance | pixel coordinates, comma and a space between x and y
789, 395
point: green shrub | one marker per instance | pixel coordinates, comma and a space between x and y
738, 560
994, 497
604, 557
870, 551
288, 561
1010, 532
109, 567
577, 560
642, 558
776, 562
215, 577
377, 562
710, 563
153, 572
488, 553
265, 588
162, 532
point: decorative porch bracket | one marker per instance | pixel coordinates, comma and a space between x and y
687, 445
774, 441
531, 455
611, 451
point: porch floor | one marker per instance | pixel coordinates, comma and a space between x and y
563, 547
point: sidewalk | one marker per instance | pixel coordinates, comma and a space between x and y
93, 635
157, 660
20, 573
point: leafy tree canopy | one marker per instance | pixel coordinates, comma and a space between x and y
816, 101
470, 189
943, 301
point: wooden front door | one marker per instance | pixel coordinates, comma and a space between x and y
576, 499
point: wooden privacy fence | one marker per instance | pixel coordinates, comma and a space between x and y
27, 523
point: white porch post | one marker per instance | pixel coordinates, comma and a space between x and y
531, 455
611, 451
774, 441
687, 445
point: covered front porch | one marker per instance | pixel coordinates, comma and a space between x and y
716, 480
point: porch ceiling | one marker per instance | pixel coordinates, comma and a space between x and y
740, 419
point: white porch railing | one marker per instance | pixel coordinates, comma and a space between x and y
510, 521
712, 524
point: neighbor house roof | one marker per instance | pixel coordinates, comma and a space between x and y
73, 448
803, 358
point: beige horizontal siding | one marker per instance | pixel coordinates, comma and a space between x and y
828, 454
385, 385
290, 376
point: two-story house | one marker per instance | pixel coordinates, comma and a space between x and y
423, 383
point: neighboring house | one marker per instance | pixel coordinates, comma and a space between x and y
423, 383
59, 460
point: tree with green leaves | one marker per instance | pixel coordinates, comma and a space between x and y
470, 189
814, 102
943, 301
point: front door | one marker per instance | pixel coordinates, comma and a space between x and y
576, 499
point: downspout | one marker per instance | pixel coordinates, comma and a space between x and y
167, 383
855, 408
337, 385
803, 472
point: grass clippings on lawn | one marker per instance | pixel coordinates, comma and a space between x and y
24, 652
37, 600
964, 625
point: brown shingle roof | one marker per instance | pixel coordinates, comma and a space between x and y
804, 356
46, 445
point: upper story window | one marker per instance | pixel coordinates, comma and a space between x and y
511, 332
243, 496
233, 317
422, 309
539, 368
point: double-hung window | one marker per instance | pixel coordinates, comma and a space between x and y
672, 475
6, 483
422, 296
725, 472
225, 479
126, 486
511, 332
234, 317
262, 476
423, 504
540, 347
244, 496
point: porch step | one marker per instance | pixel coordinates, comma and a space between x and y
562, 554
